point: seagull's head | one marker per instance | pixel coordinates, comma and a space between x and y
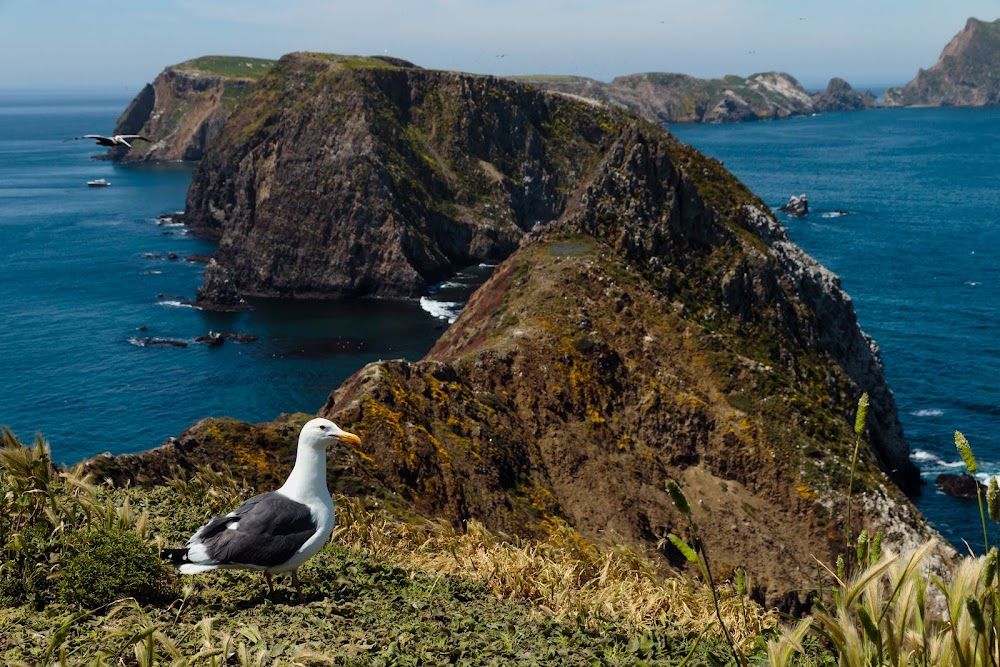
321, 432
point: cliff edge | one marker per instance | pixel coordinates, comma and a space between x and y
185, 107
965, 73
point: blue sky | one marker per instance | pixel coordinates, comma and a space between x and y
112, 43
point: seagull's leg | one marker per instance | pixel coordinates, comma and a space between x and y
270, 584
298, 585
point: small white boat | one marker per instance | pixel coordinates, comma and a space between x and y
99, 183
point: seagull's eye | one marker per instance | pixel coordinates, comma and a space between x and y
322, 427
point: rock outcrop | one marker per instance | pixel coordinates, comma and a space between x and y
346, 177
797, 206
651, 319
185, 107
965, 73
840, 96
963, 486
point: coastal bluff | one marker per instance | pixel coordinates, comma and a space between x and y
648, 319
185, 107
964, 75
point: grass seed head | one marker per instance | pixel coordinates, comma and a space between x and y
965, 450
862, 418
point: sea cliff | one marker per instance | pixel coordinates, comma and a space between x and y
185, 107
649, 318
965, 73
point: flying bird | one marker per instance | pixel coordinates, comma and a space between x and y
116, 140
273, 532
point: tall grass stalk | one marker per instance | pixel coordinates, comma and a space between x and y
695, 553
859, 428
965, 451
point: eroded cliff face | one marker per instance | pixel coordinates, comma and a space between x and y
965, 73
353, 177
184, 109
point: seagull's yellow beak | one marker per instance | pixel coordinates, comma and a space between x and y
348, 438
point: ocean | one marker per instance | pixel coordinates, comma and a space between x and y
904, 207
88, 274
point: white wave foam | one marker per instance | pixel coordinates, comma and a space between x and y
448, 284
445, 310
927, 413
932, 463
175, 304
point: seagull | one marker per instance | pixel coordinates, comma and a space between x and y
275, 532
117, 140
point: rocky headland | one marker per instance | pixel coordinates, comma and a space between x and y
965, 73
649, 319
185, 107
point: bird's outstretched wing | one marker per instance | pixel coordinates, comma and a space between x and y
88, 136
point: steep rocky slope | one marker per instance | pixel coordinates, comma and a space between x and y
362, 176
665, 327
185, 107
658, 324
965, 73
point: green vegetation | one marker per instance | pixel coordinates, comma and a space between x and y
393, 592
107, 564
234, 67
385, 592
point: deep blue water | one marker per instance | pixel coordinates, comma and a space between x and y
919, 253
83, 269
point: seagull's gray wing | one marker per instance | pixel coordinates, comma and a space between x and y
263, 532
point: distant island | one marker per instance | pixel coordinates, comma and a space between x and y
187, 104
967, 73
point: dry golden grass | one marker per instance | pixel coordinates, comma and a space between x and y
564, 575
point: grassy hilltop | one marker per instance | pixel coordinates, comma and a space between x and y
231, 67
81, 584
